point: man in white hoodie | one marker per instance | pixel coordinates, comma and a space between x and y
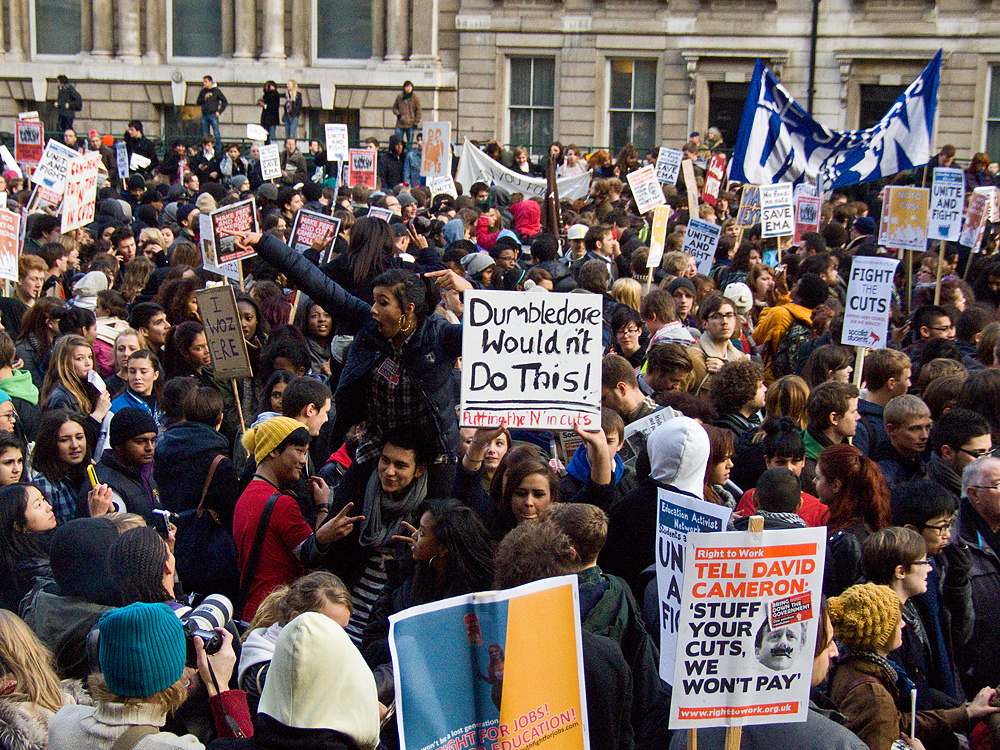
678, 457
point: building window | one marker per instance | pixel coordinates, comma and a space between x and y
57, 27
875, 102
344, 29
993, 113
532, 103
632, 110
196, 27
725, 108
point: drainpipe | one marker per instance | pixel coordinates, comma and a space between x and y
813, 35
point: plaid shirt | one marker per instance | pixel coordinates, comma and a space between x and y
395, 403
61, 495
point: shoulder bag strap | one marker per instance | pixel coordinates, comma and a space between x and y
208, 480
258, 544
133, 735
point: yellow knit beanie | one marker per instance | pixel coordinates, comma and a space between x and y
268, 435
865, 617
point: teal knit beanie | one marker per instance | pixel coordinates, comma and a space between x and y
142, 649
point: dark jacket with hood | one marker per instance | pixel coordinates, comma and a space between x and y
870, 434
184, 454
390, 165
980, 666
428, 356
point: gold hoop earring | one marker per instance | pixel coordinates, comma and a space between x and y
404, 324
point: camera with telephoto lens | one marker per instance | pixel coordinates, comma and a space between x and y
213, 612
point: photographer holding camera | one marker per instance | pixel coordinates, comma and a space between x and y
144, 677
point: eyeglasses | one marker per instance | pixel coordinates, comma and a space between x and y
976, 454
921, 562
986, 486
941, 329
11, 416
940, 528
629, 332
719, 317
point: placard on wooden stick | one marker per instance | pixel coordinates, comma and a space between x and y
221, 319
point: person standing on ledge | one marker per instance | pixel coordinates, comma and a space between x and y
68, 103
408, 113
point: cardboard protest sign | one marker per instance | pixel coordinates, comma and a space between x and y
362, 167
221, 319
81, 191
436, 161
668, 165
749, 614
532, 360
690, 185
776, 215
10, 242
28, 141
975, 222
270, 162
467, 670
53, 167
749, 213
700, 240
806, 216
993, 196
646, 189
869, 298
309, 228
947, 201
438, 185
336, 141
376, 212
121, 156
714, 176
657, 236
475, 166
904, 218
677, 515
238, 217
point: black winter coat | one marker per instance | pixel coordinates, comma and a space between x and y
127, 482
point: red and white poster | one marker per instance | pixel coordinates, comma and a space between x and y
29, 141
10, 235
806, 216
714, 176
81, 191
310, 228
362, 167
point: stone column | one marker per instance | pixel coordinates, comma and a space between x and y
16, 30
397, 17
228, 18
103, 28
155, 48
378, 29
301, 28
424, 31
246, 26
128, 30
274, 30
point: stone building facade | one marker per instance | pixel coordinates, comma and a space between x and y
591, 72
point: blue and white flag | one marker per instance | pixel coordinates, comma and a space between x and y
779, 141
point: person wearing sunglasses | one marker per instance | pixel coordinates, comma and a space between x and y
958, 438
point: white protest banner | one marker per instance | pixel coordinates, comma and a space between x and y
776, 215
532, 360
336, 141
475, 166
81, 191
376, 212
869, 298
749, 615
256, 133
806, 216
690, 185
668, 165
270, 162
121, 155
993, 196
944, 222
221, 319
714, 175
52, 169
700, 240
678, 514
436, 161
137, 162
10, 242
446, 185
362, 167
904, 218
975, 222
310, 228
29, 141
8, 161
238, 217
657, 236
646, 189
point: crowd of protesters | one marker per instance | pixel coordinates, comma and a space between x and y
336, 486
